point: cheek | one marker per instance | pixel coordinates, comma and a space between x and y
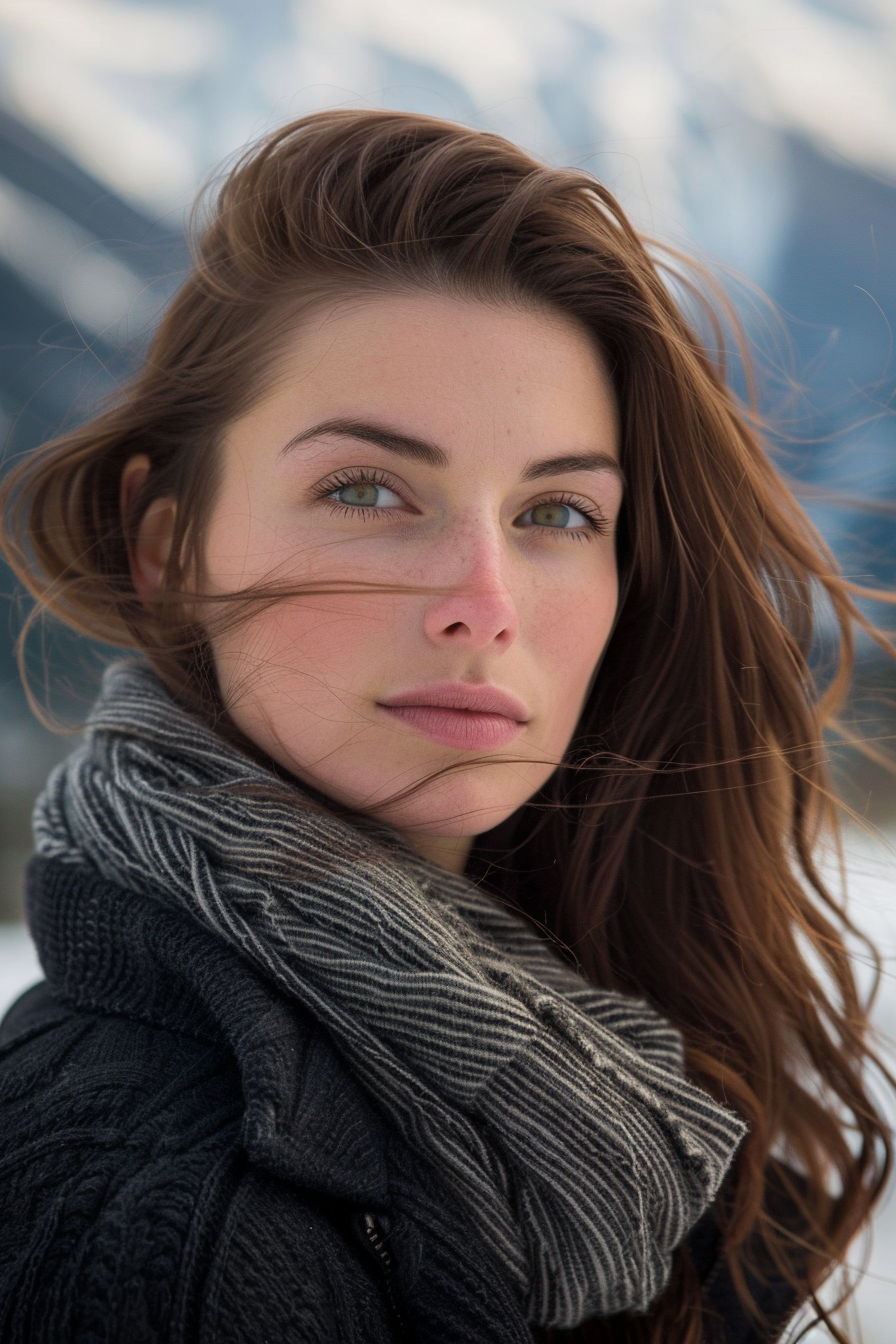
569, 634
250, 541
330, 638
294, 678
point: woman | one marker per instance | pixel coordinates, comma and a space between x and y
425, 917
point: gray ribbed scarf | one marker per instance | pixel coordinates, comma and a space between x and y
557, 1112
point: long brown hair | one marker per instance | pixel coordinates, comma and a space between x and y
673, 853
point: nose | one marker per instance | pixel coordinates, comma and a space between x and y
479, 611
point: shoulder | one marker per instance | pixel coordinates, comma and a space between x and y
128, 1208
74, 1081
115, 1136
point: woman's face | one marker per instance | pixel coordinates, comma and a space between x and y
470, 454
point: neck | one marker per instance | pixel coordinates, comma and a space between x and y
447, 851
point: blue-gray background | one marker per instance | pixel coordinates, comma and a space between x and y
760, 134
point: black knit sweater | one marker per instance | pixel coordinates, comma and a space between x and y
185, 1158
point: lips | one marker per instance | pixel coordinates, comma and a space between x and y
458, 714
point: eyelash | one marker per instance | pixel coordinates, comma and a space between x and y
597, 524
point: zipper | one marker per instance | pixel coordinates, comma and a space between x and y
376, 1239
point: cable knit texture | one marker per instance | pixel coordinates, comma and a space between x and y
557, 1114
185, 1159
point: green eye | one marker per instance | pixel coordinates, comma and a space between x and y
551, 515
362, 493
563, 517
365, 495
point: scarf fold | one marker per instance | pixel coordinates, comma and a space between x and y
558, 1113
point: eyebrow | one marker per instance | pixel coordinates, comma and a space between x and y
405, 445
569, 462
421, 450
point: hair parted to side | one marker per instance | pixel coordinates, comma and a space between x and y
673, 852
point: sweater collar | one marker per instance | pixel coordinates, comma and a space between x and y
105, 949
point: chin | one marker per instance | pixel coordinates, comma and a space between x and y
466, 799
455, 807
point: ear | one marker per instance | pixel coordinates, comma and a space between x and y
152, 546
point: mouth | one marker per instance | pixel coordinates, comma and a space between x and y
458, 714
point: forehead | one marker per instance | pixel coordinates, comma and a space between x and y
474, 377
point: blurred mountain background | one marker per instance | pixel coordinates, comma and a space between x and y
760, 137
